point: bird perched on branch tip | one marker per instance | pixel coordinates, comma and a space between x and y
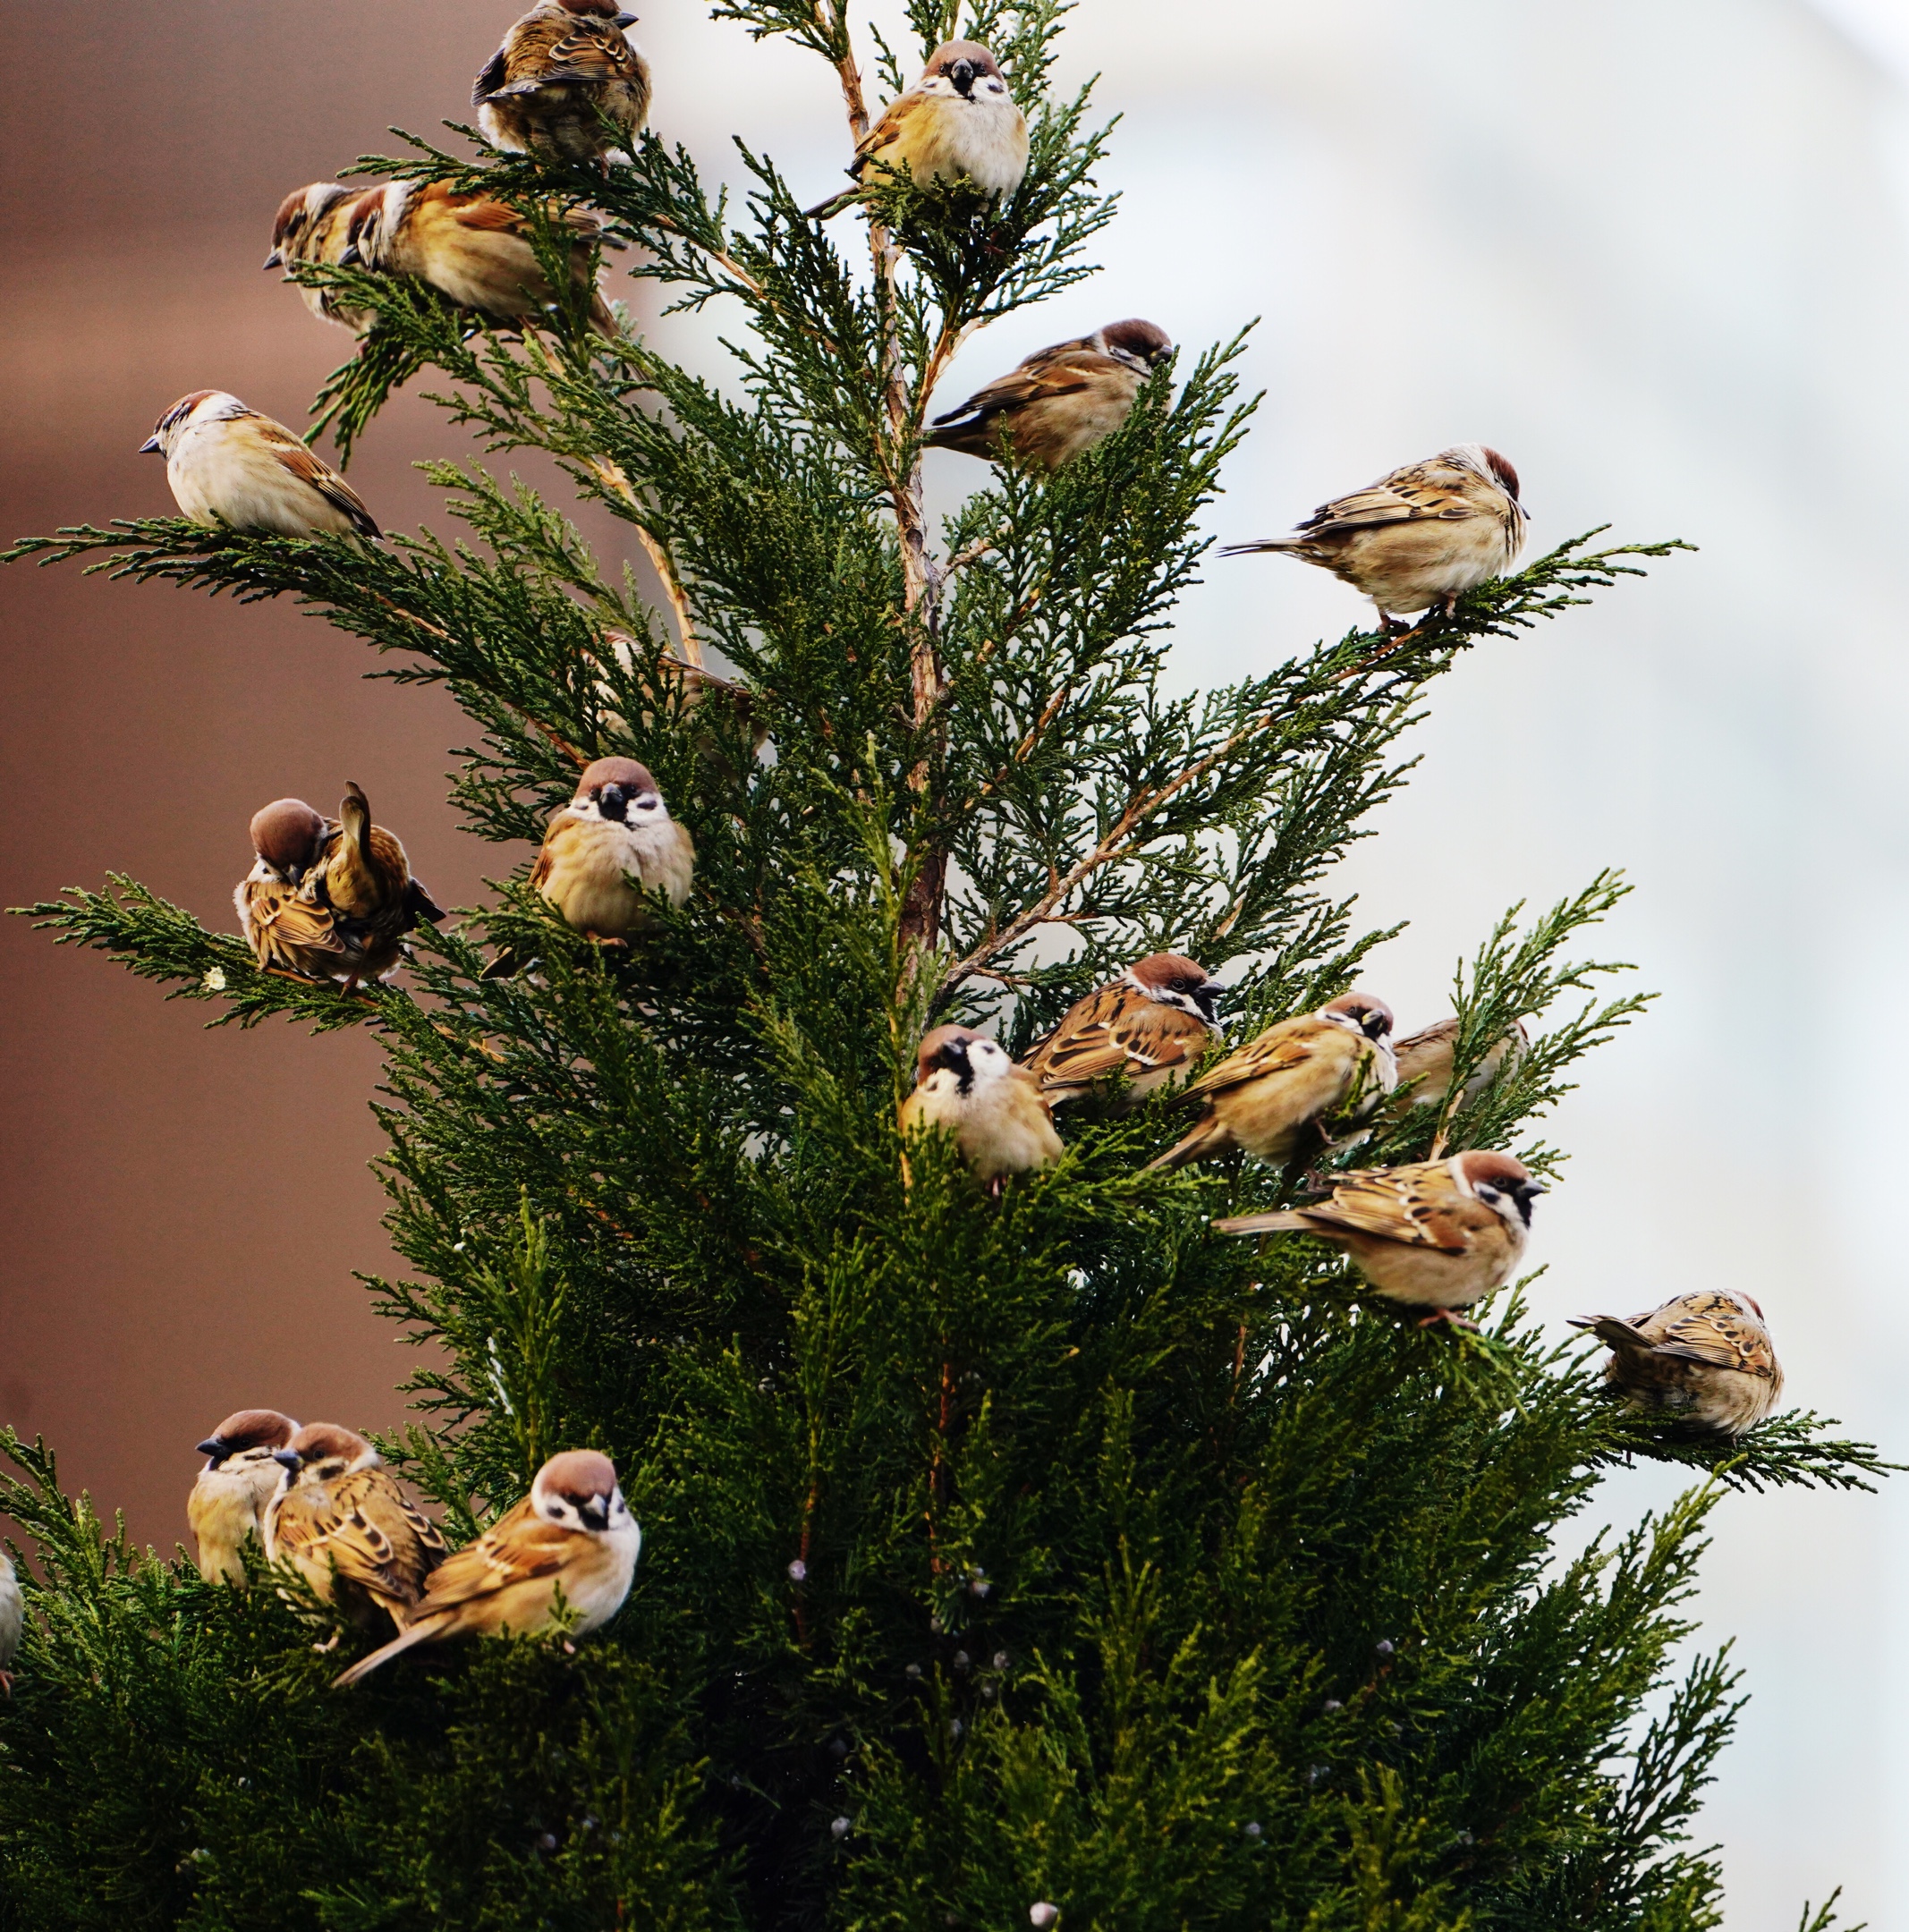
573, 1533
1706, 1359
1417, 537
1426, 1058
966, 1085
228, 464
958, 123
1061, 401
563, 70
312, 225
232, 1492
1151, 1024
1431, 1235
1290, 1090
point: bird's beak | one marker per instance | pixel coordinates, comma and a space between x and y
962, 74
611, 802
349, 257
149, 447
1375, 1026
596, 1511
286, 1459
275, 259
213, 1447
627, 19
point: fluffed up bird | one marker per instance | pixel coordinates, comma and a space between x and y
1426, 1058
228, 464
1286, 1092
562, 71
573, 1533
329, 899
687, 689
1705, 1359
229, 1500
1420, 536
1151, 1024
606, 853
966, 1085
1061, 401
474, 250
311, 227
342, 1522
12, 1621
1434, 1234
956, 123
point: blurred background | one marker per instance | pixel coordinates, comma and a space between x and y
1659, 255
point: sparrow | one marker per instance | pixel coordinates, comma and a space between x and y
310, 227
1280, 1096
1705, 1359
228, 1502
563, 70
12, 1621
612, 847
474, 250
1419, 536
684, 688
1061, 401
340, 1520
958, 123
1151, 1024
364, 878
574, 1533
1001, 1120
228, 464
1434, 1234
1426, 1058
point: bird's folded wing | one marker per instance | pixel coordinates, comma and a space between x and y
519, 1548
1043, 378
1391, 1206
288, 925
1716, 1339
354, 1530
1397, 500
495, 72
887, 131
314, 470
1277, 1051
420, 904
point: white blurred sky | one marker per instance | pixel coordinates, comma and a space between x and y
1660, 255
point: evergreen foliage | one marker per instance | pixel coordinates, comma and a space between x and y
1046, 1548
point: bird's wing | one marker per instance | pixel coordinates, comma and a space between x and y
1064, 370
292, 455
1713, 1329
494, 72
1416, 1205
555, 834
286, 925
1082, 1049
886, 132
1410, 495
519, 1548
420, 904
591, 52
1279, 1049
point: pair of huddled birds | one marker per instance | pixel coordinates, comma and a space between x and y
568, 82
320, 1499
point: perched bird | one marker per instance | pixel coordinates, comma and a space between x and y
340, 1518
1061, 401
563, 70
684, 689
574, 1533
474, 250
1434, 1234
608, 850
12, 1621
956, 123
1420, 537
1705, 1359
1151, 1024
311, 227
228, 1501
1281, 1095
228, 464
329, 899
965, 1083
1426, 1058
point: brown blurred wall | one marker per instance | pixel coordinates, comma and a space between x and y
184, 1209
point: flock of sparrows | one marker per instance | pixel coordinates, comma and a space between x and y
319, 1499
332, 899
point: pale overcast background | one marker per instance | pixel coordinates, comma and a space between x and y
1656, 252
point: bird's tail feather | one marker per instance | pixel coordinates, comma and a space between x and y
418, 1634
1263, 543
1283, 1222
1205, 1137
1612, 1332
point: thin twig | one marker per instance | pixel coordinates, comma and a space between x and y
613, 478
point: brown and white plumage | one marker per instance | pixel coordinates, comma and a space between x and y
227, 1505
364, 877
13, 1621
573, 1532
1433, 1235
1287, 1092
562, 69
1420, 537
228, 464
966, 1085
342, 1522
1061, 401
312, 225
1425, 1058
1705, 1357
474, 250
1151, 1024
956, 123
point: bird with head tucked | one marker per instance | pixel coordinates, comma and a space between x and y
1151, 1024
1061, 401
574, 1535
1704, 1358
229, 1499
311, 227
567, 81
1286, 1093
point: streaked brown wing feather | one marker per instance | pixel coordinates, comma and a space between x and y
519, 1548
886, 131
1272, 1052
1408, 495
286, 925
314, 470
1396, 1205
1714, 1339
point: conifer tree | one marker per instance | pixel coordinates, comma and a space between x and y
1045, 1558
